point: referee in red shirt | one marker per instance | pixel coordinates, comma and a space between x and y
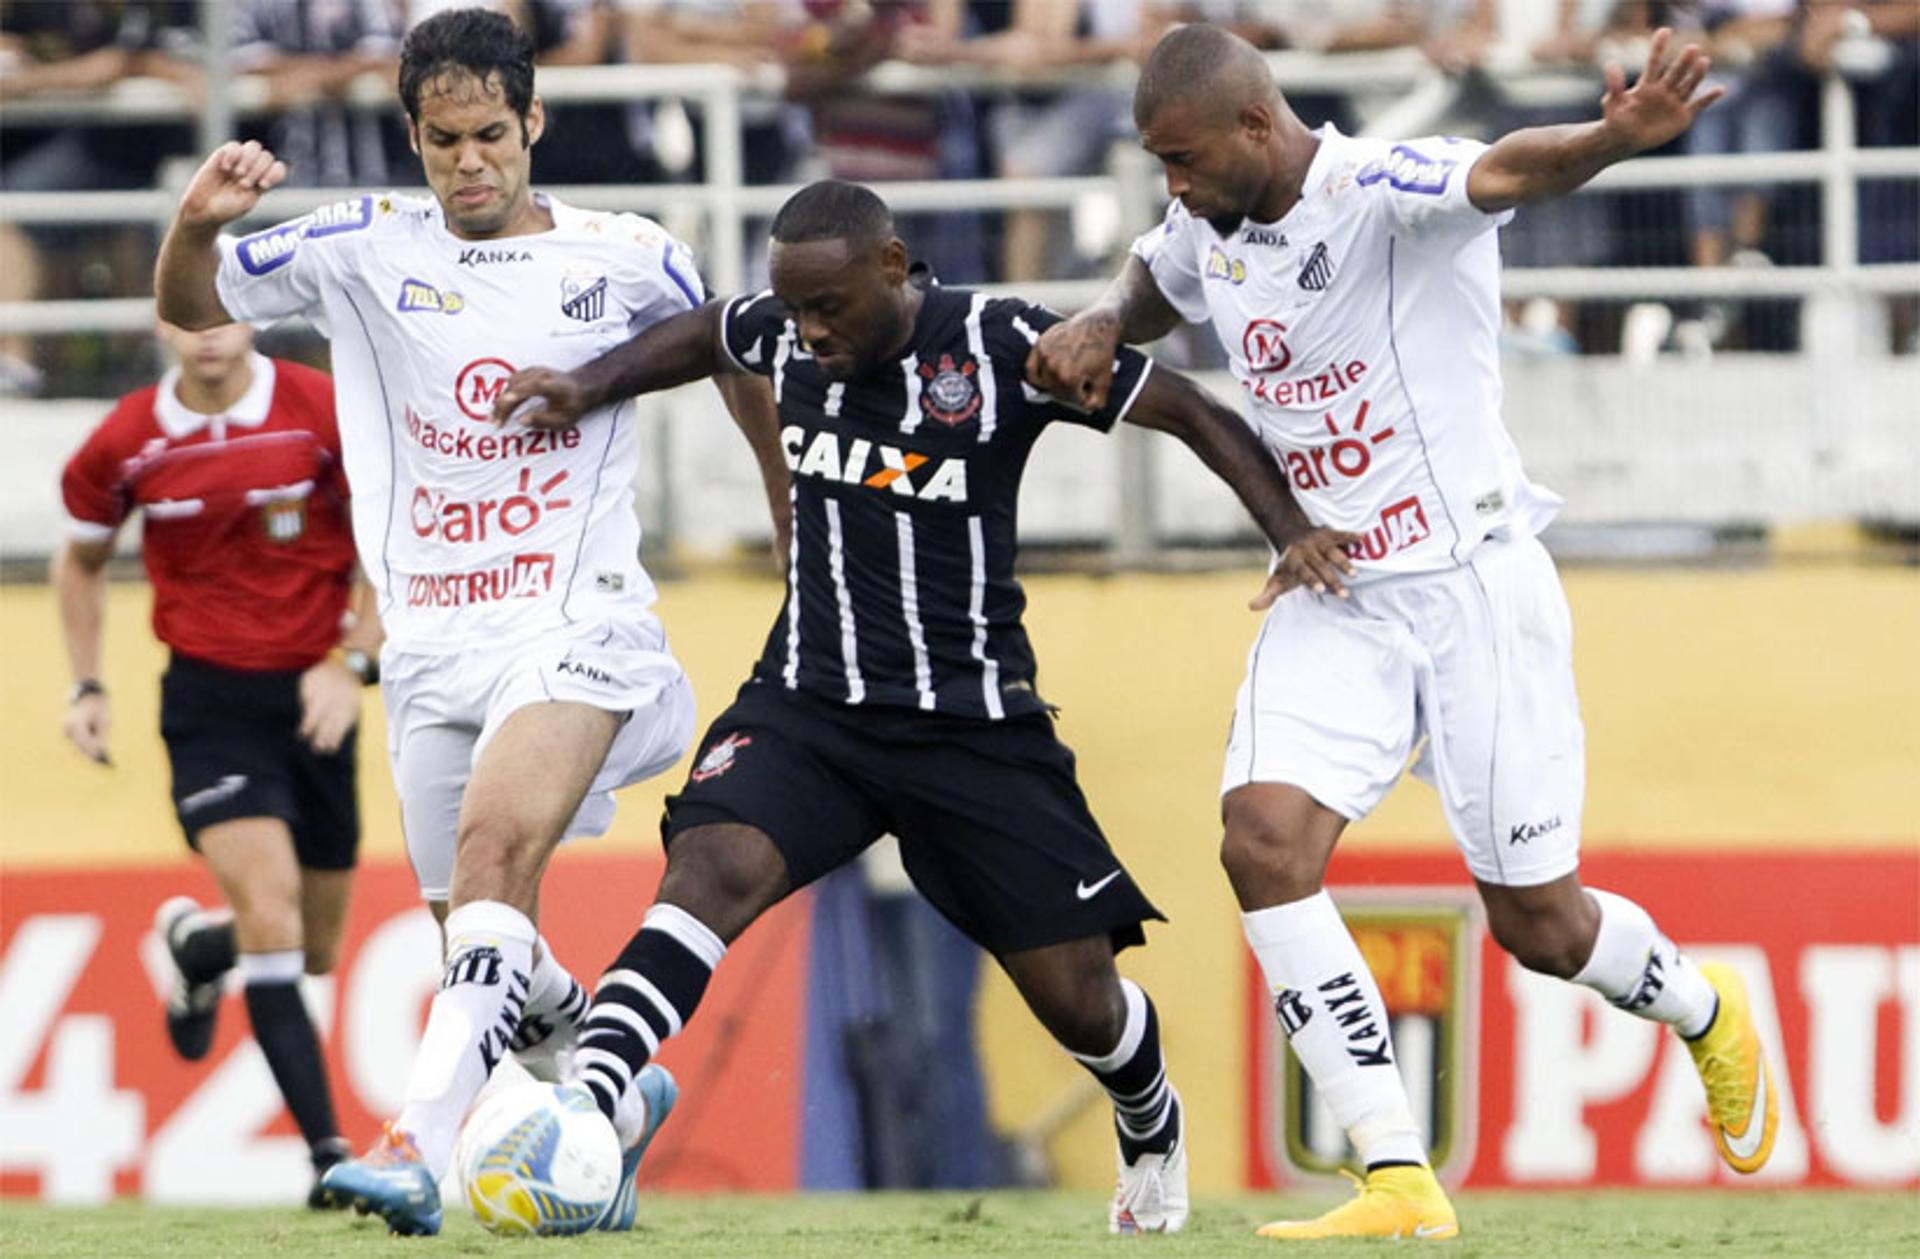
234, 459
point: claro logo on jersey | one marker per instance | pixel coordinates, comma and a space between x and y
460, 522
520, 577
876, 466
1347, 457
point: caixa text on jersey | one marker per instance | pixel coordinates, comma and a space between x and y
486, 445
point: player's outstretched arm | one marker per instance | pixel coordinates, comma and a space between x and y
1310, 555
1540, 162
672, 352
228, 185
1074, 358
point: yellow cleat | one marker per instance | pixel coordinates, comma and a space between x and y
1393, 1202
1741, 1100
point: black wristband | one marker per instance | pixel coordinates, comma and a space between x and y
83, 688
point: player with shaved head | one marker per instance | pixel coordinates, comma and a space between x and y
1355, 286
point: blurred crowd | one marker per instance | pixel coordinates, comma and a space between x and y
1772, 54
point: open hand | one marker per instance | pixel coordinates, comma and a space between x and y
230, 183
1663, 102
329, 705
1319, 561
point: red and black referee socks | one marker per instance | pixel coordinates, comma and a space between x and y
286, 1036
1146, 1110
646, 996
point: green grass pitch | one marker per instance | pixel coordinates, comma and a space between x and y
1043, 1225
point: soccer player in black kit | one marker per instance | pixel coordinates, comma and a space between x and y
896, 691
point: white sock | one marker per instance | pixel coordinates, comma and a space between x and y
554, 989
1642, 972
1331, 1009
482, 996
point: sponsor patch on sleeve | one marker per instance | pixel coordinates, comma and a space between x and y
1408, 170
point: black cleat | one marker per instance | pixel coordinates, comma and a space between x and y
326, 1154
190, 1007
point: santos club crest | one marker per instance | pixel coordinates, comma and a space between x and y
951, 395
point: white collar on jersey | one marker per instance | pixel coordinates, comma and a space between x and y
249, 411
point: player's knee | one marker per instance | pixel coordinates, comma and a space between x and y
492, 856
1264, 851
322, 957
724, 876
266, 924
1546, 943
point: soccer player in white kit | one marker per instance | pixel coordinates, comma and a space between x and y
525, 674
1355, 285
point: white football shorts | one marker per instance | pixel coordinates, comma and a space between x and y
443, 709
1477, 660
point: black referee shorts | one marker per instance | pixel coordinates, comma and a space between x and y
993, 828
233, 738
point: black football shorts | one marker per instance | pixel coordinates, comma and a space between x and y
233, 738
993, 828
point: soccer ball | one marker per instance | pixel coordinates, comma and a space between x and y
539, 1160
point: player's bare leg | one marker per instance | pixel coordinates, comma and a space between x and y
253, 860
1109, 1025
1609, 944
1277, 843
526, 787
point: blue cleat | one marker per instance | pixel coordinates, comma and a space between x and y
657, 1089
392, 1181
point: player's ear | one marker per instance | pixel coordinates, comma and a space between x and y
534, 125
413, 135
1257, 121
893, 261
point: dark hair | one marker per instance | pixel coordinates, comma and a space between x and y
479, 42
1201, 63
833, 210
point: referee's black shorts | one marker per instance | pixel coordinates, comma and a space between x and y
233, 738
993, 828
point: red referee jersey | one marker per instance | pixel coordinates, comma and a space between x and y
246, 535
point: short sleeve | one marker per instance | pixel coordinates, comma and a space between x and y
1169, 254
1423, 186
93, 485
1011, 329
280, 272
751, 329
673, 285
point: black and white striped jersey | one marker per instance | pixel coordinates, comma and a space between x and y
906, 483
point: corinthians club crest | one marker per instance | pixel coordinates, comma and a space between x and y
951, 394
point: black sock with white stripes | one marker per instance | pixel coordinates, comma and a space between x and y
1146, 1114
647, 995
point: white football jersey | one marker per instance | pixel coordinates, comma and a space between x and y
473, 534
1364, 328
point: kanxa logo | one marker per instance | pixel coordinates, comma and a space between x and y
1346, 1001
481, 256
1526, 831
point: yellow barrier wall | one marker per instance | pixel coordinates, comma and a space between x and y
1769, 707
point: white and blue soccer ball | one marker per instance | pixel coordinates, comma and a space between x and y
539, 1160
